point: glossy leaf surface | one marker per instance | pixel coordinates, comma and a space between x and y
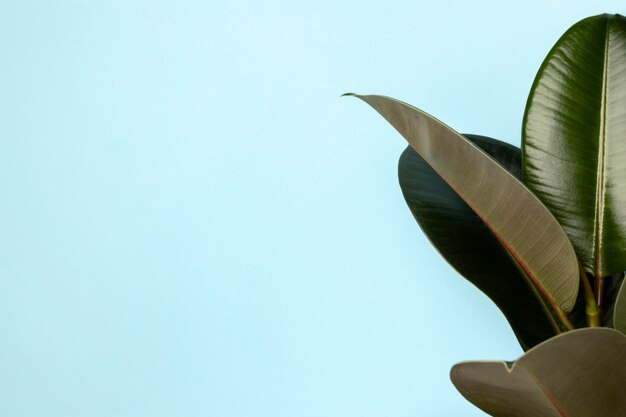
576, 374
454, 230
515, 216
574, 140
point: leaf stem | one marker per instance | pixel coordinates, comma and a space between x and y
591, 306
598, 284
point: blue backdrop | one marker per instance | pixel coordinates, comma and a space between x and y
195, 224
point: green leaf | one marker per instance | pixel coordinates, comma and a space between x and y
514, 215
619, 318
454, 229
576, 374
574, 140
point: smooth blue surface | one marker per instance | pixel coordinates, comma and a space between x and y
195, 224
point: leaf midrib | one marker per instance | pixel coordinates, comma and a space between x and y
600, 186
535, 283
555, 403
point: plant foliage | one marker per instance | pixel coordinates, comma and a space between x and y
541, 230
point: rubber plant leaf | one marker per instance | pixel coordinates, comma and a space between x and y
454, 230
574, 140
619, 318
521, 223
576, 374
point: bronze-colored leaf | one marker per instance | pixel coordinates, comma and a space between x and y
453, 228
581, 373
516, 217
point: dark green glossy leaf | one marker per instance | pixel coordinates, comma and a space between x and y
576, 374
515, 216
574, 140
466, 242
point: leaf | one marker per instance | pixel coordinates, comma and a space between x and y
619, 317
516, 217
574, 140
576, 374
454, 229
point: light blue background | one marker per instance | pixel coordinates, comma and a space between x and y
195, 224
